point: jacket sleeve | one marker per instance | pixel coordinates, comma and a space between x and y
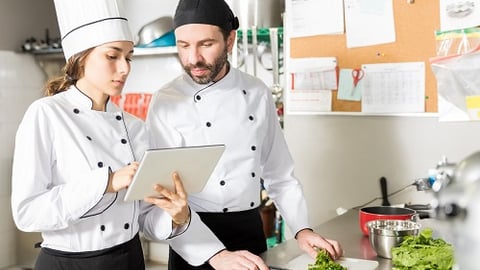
197, 244
155, 223
37, 204
278, 173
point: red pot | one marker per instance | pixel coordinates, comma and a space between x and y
367, 214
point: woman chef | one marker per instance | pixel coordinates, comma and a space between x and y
76, 153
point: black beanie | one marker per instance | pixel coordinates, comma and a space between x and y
214, 12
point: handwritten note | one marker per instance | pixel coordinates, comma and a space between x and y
309, 102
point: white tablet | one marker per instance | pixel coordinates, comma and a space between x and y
194, 164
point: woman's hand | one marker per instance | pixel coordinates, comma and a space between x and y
121, 178
174, 202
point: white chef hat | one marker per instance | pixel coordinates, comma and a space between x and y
88, 23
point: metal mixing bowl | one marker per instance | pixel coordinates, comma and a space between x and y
386, 234
154, 30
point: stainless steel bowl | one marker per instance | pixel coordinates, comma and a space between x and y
154, 29
386, 234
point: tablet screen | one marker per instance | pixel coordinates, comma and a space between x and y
194, 164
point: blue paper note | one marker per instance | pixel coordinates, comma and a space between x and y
346, 89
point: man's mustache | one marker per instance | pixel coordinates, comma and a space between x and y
199, 65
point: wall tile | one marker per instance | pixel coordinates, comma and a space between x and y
5, 180
7, 248
6, 222
149, 73
8, 234
20, 69
21, 82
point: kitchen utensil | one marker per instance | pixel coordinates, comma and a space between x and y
154, 30
383, 188
277, 89
357, 75
370, 213
254, 49
385, 234
423, 210
301, 263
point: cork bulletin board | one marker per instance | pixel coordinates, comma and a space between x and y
415, 25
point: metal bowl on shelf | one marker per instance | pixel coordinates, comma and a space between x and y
388, 233
154, 30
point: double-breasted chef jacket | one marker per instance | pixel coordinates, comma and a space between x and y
63, 154
237, 111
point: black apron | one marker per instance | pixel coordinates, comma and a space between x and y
126, 256
237, 231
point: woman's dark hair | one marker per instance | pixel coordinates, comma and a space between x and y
73, 70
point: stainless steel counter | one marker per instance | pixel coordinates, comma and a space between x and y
346, 230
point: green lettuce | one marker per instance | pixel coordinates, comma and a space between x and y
423, 252
324, 262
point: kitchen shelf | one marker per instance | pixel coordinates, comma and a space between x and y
138, 51
154, 51
51, 60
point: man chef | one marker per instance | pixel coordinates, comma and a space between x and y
214, 103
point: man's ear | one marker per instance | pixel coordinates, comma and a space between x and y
231, 40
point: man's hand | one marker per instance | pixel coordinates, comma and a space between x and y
174, 202
237, 260
310, 242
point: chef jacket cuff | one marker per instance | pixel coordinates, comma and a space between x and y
197, 244
179, 229
310, 229
208, 261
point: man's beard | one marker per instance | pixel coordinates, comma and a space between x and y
214, 69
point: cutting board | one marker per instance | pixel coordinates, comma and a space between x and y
301, 263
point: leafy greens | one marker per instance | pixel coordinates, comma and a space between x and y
423, 252
324, 262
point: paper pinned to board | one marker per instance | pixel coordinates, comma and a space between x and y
394, 88
313, 17
311, 82
315, 79
315, 73
456, 14
369, 22
347, 90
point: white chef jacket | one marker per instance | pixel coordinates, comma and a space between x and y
237, 111
63, 153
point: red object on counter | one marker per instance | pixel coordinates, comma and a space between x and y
367, 214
